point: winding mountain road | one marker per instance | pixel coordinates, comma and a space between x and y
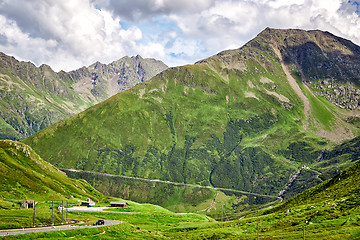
55, 228
173, 183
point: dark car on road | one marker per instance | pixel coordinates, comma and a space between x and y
100, 222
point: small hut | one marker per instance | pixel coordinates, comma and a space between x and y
118, 204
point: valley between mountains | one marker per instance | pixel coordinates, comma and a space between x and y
268, 131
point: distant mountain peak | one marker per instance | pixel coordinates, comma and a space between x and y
32, 98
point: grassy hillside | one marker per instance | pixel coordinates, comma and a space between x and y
329, 163
341, 192
24, 175
180, 198
328, 211
245, 119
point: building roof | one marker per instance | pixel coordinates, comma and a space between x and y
120, 203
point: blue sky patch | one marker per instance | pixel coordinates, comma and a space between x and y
125, 25
356, 4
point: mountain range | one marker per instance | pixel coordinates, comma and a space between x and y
33, 98
253, 119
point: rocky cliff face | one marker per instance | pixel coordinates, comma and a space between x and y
343, 95
328, 64
105, 80
32, 98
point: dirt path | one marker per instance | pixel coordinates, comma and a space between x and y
212, 205
295, 86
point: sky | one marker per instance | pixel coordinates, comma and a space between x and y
69, 34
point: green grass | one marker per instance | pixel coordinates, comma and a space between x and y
16, 217
319, 110
328, 211
171, 226
139, 208
24, 175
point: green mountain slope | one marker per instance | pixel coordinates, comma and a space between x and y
193, 198
177, 197
328, 164
341, 190
246, 119
328, 211
25, 175
33, 98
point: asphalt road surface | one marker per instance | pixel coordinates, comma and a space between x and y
56, 228
96, 209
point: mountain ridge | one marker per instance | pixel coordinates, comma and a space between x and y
230, 121
346, 93
33, 98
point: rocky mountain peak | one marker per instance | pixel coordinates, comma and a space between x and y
32, 98
138, 57
315, 57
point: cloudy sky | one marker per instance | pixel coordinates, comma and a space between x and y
69, 34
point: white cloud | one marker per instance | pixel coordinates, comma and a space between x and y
141, 10
65, 35
152, 50
68, 34
16, 41
228, 23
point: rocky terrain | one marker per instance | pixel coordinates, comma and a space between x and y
33, 98
104, 80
